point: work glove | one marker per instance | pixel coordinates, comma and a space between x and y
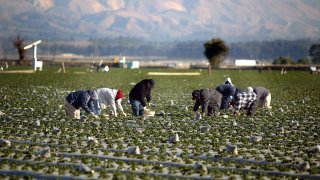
125, 115
149, 104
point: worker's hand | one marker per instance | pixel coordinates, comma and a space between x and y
104, 115
237, 113
125, 115
115, 114
95, 116
149, 104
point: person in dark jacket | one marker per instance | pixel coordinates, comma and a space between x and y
87, 100
138, 94
208, 99
227, 92
263, 96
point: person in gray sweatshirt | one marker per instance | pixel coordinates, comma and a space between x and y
263, 96
208, 99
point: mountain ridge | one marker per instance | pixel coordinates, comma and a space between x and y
232, 20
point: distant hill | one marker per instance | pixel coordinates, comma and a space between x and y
232, 20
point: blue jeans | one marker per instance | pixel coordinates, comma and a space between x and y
137, 108
95, 107
224, 103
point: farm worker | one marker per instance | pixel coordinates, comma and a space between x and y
138, 94
246, 100
263, 96
227, 92
112, 97
228, 81
106, 69
208, 99
87, 100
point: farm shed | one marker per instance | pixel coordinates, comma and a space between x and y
245, 62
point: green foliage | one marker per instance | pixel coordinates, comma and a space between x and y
283, 60
304, 61
314, 52
215, 50
25, 98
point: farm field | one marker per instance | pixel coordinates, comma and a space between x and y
43, 143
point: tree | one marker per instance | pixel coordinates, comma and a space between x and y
304, 61
283, 60
215, 50
314, 52
18, 44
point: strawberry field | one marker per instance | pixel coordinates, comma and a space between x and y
39, 141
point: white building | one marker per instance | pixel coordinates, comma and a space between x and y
245, 62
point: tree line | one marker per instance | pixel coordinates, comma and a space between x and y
278, 51
216, 50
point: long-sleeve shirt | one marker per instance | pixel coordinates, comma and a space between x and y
141, 91
244, 100
107, 96
226, 90
261, 92
208, 97
82, 99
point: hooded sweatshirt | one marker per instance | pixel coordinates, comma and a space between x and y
226, 90
261, 92
208, 97
83, 99
108, 97
141, 91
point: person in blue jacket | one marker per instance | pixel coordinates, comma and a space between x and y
227, 91
84, 99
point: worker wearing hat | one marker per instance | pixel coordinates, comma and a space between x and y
208, 99
111, 97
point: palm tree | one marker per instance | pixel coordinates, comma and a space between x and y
215, 50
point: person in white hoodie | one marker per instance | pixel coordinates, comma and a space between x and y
111, 97
228, 81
